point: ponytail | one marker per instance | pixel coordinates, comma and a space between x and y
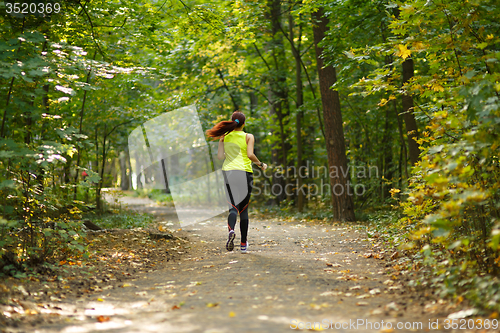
224, 127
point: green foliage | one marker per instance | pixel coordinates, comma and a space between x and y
124, 220
28, 244
452, 204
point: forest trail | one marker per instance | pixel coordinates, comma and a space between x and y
294, 274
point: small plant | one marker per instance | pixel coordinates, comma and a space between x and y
124, 220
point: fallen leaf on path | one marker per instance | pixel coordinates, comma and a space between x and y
331, 293
463, 314
361, 304
393, 306
176, 307
232, 314
212, 305
316, 327
333, 265
387, 330
318, 306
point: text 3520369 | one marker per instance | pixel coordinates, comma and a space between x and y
32, 8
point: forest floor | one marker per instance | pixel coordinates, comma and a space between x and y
295, 274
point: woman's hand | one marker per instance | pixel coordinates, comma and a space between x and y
263, 166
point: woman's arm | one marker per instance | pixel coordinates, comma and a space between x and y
220, 152
251, 155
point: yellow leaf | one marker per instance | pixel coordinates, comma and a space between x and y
232, 314
437, 87
419, 46
403, 51
100, 300
212, 305
317, 327
387, 330
383, 102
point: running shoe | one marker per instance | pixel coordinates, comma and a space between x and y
230, 239
244, 247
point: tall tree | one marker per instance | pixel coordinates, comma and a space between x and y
409, 117
279, 94
343, 207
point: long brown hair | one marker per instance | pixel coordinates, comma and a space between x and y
224, 127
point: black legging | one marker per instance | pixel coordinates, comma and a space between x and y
238, 197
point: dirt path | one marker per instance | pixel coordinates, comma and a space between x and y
295, 274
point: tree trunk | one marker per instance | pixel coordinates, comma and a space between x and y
403, 163
254, 101
343, 208
79, 148
410, 122
388, 163
300, 114
279, 96
124, 185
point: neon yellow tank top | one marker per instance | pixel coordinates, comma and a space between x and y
235, 147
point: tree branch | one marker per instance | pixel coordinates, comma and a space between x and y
235, 104
297, 54
92, 29
260, 55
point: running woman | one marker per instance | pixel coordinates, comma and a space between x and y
236, 148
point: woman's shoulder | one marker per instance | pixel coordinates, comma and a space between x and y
248, 137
